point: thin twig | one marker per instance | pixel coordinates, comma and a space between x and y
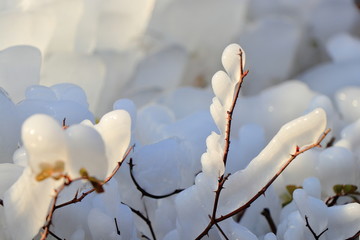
221, 231
263, 190
46, 231
146, 220
77, 199
55, 236
316, 237
143, 191
355, 236
67, 182
266, 213
117, 227
222, 179
298, 151
231, 110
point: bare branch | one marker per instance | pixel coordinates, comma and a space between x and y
266, 213
317, 237
146, 220
231, 110
143, 191
77, 199
68, 181
298, 151
221, 231
356, 235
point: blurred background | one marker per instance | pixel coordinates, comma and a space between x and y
141, 49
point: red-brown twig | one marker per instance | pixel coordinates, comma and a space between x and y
77, 199
67, 182
222, 179
45, 233
356, 235
298, 151
231, 110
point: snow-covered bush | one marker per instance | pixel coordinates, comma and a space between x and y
101, 139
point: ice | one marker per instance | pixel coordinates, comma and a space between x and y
22, 219
120, 68
20, 157
212, 161
70, 92
78, 235
319, 77
161, 70
9, 128
348, 103
270, 236
34, 28
40, 92
185, 101
265, 40
189, 224
254, 221
294, 229
231, 61
312, 187
163, 225
101, 225
121, 24
115, 130
312, 208
67, 15
86, 32
303, 167
236, 231
129, 106
88, 72
61, 101
44, 141
157, 166
274, 106
9, 175
332, 115
344, 221
203, 47
251, 141
173, 235
221, 83
153, 119
350, 137
300, 132
343, 47
19, 68
323, 23
86, 150
336, 165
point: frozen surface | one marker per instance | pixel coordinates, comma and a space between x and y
299, 132
116, 73
19, 68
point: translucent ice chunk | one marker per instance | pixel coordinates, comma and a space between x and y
343, 47
86, 150
19, 68
246, 183
348, 102
9, 128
